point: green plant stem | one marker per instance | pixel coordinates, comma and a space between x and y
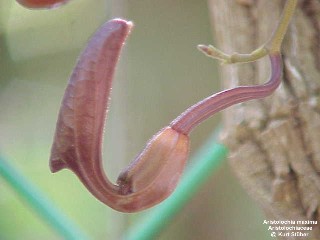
40, 204
204, 164
274, 44
270, 47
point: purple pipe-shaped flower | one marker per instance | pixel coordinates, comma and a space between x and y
154, 174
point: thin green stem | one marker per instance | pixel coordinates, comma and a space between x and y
274, 44
215, 53
270, 47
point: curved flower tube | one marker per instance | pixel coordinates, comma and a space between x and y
199, 112
154, 174
77, 144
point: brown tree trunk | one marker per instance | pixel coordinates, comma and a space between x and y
275, 142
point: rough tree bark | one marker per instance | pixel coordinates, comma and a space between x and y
275, 142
